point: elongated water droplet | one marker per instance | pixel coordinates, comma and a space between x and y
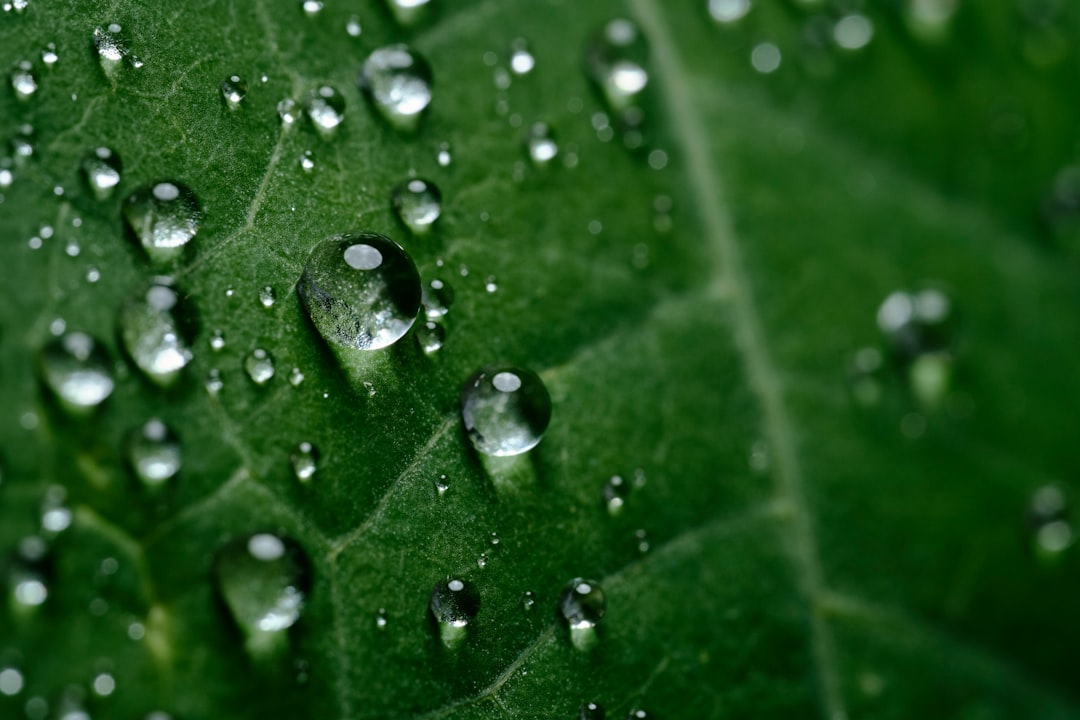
259, 365
154, 453
311, 8
264, 580
505, 409
164, 217
409, 12
77, 369
615, 491
155, 333
582, 605
326, 108
111, 48
289, 112
638, 714
437, 297
592, 711
397, 80
540, 144
29, 571
417, 203
102, 169
616, 60
454, 604
361, 290
23, 81
305, 461
233, 89
431, 336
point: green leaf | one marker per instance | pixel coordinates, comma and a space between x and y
800, 539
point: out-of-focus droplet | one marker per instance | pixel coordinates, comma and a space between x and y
398, 80
540, 144
1051, 527
23, 81
361, 290
505, 409
311, 8
765, 58
454, 604
443, 156
522, 60
259, 366
29, 571
417, 203
213, 382
437, 296
102, 166
305, 461
307, 161
431, 336
164, 216
615, 491
353, 27
267, 297
154, 453
582, 605
727, 12
326, 108
592, 711
77, 369
853, 31
616, 60
918, 326
409, 12
234, 89
289, 112
155, 333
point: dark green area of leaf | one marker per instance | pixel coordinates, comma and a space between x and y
805, 556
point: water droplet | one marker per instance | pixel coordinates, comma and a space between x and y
352, 27
853, 32
155, 333
637, 714
102, 167
326, 108
540, 144
49, 58
104, 685
930, 20
213, 382
381, 619
11, 682
918, 326
17, 5
431, 336
267, 297
56, 516
296, 377
616, 60
289, 112
76, 369
361, 290
217, 341
582, 604
642, 539
311, 8
615, 492
442, 485
443, 156
154, 453
23, 80
454, 604
28, 572
765, 57
505, 409
417, 203
111, 48
233, 89
437, 296
864, 376
592, 711
528, 600
729, 11
164, 217
304, 460
307, 161
264, 580
409, 12
522, 61
259, 366
397, 80
1048, 517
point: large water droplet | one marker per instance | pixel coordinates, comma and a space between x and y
259, 365
76, 369
305, 461
326, 108
23, 81
361, 290
154, 453
417, 203
505, 409
397, 80
164, 217
102, 169
154, 333
264, 580
409, 12
616, 60
233, 89
582, 604
454, 604
592, 711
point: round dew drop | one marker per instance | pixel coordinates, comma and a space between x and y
154, 334
304, 461
505, 409
540, 144
233, 89
431, 336
259, 365
592, 711
154, 453
417, 203
76, 368
102, 167
454, 604
164, 217
615, 61
326, 108
397, 80
361, 290
437, 297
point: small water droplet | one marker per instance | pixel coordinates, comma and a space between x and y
111, 48
361, 290
233, 89
296, 377
490, 284
431, 336
409, 12
304, 460
154, 453
56, 516
11, 682
638, 714
353, 27
442, 485
289, 112
437, 296
326, 108
23, 80
528, 600
28, 572
443, 156
307, 161
267, 297
582, 605
918, 326
592, 711
217, 341
1048, 518
727, 12
155, 333
481, 562
616, 63
864, 376
454, 604
104, 685
164, 217
505, 409
642, 539
213, 383
522, 60
853, 31
397, 80
615, 492
765, 57
49, 57
17, 5
311, 8
381, 619
259, 366
264, 580
76, 368
540, 144
417, 203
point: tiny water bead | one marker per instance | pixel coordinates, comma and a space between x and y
289, 112
28, 572
305, 461
259, 366
111, 48
155, 333
264, 580
431, 336
77, 369
397, 80
409, 12
592, 711
540, 144
443, 156
615, 491
267, 297
164, 216
361, 290
417, 203
1048, 518
307, 161
102, 167
918, 327
437, 297
311, 8
49, 57
233, 90
23, 81
582, 605
217, 341
615, 61
154, 453
505, 410
528, 600
522, 60
454, 604
326, 108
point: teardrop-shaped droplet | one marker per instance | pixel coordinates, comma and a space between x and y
111, 48
259, 365
326, 108
397, 80
102, 166
431, 336
29, 571
305, 461
417, 203
264, 580
582, 605
592, 711
23, 81
454, 604
616, 60
409, 12
164, 217
155, 333
77, 369
615, 491
154, 453
361, 290
505, 409
437, 298
233, 89
540, 144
